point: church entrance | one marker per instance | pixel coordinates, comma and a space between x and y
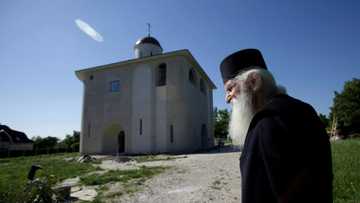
121, 142
203, 136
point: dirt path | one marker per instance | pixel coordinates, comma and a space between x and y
212, 177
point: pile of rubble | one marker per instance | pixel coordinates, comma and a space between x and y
86, 159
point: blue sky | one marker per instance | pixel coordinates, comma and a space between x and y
312, 48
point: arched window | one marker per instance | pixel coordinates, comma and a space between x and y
202, 86
161, 75
192, 76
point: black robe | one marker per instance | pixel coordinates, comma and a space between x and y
286, 155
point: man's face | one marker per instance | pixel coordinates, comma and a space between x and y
232, 90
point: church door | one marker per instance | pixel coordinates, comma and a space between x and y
121, 142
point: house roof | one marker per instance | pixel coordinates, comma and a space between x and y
4, 136
16, 136
184, 52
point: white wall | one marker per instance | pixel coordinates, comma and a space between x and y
142, 108
179, 103
187, 108
91, 140
161, 119
117, 109
107, 112
198, 105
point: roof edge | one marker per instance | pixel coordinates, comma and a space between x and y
200, 69
182, 52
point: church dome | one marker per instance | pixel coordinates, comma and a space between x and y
147, 46
149, 40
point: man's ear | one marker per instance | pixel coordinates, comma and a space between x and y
254, 81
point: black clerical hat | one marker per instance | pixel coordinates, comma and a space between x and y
241, 60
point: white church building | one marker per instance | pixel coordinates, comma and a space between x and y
155, 103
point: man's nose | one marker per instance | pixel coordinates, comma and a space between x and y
229, 96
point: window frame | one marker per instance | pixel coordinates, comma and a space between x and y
202, 86
114, 89
140, 127
192, 77
161, 75
171, 133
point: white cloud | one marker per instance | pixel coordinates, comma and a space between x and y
87, 29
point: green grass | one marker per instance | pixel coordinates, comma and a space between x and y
122, 175
13, 172
131, 181
346, 168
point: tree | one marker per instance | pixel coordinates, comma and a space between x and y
222, 118
325, 120
71, 141
45, 143
346, 107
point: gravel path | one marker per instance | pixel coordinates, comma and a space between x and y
208, 177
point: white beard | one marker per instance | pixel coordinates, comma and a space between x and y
241, 116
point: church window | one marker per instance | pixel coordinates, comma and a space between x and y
161, 75
202, 86
171, 134
115, 86
140, 127
192, 76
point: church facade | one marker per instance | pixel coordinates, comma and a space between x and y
156, 103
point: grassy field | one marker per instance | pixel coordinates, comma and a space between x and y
13, 172
346, 168
131, 181
122, 176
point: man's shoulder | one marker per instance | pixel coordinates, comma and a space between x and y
289, 109
284, 110
283, 102
265, 119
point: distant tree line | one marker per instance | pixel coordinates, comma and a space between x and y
48, 145
69, 143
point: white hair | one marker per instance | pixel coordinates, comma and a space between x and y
269, 87
243, 108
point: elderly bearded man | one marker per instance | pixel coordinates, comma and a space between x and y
286, 154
